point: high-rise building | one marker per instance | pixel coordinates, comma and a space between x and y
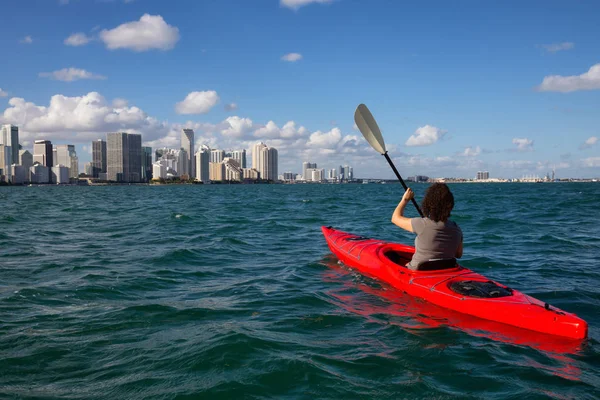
146, 164
9, 136
42, 153
332, 174
482, 175
26, 160
20, 174
233, 171
202, 164
66, 156
98, 157
39, 173
88, 169
265, 161
346, 173
5, 162
305, 167
217, 156
60, 174
216, 171
124, 157
240, 157
187, 144
250, 174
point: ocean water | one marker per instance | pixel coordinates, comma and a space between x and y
229, 291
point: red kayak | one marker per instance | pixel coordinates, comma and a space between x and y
452, 286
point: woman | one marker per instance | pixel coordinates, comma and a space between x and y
437, 236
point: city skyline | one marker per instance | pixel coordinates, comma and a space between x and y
513, 101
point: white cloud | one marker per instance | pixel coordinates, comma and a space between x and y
150, 32
3, 93
77, 39
518, 164
80, 119
471, 151
589, 80
26, 40
292, 57
325, 139
272, 131
70, 75
197, 102
523, 144
119, 103
425, 136
296, 4
236, 127
556, 47
591, 141
231, 107
591, 162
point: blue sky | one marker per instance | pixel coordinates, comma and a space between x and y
509, 87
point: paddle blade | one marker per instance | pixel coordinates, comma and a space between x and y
368, 127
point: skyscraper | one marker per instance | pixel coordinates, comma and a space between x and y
66, 155
187, 144
98, 157
146, 164
305, 167
265, 161
5, 163
240, 157
9, 136
26, 160
217, 156
42, 153
124, 157
202, 164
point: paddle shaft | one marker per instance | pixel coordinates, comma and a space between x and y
389, 160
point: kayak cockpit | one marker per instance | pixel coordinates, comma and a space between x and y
399, 256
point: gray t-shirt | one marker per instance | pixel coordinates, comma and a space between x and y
434, 240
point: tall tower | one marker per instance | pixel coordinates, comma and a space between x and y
67, 156
265, 161
187, 144
146, 164
124, 157
42, 153
9, 136
240, 157
203, 164
98, 157
217, 156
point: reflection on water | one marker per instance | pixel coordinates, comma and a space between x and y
415, 316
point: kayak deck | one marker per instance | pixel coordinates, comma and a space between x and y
386, 261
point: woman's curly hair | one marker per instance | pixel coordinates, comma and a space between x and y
438, 202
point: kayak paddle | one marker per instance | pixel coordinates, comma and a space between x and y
369, 129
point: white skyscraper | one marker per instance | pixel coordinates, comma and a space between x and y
240, 157
5, 162
305, 167
265, 161
203, 164
217, 156
187, 144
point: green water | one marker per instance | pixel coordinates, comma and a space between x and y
229, 291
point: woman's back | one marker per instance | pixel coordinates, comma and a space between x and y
435, 240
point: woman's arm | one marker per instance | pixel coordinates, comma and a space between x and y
459, 251
398, 217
